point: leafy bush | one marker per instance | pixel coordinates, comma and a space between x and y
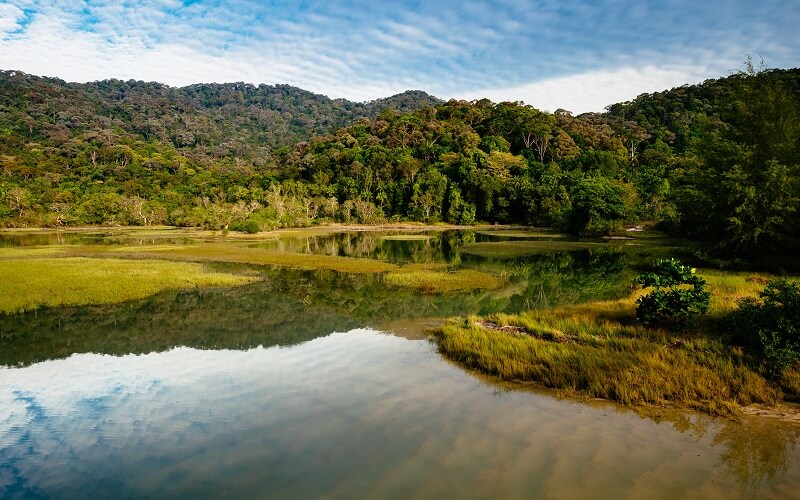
670, 301
598, 207
772, 322
248, 226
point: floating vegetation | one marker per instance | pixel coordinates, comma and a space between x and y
428, 281
216, 252
514, 249
523, 234
27, 284
406, 237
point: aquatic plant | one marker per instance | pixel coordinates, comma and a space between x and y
462, 280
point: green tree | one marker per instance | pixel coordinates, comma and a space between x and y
597, 206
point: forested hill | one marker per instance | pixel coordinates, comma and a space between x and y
677, 116
719, 161
205, 122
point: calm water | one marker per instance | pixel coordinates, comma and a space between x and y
317, 384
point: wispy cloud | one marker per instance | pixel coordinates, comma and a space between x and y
364, 50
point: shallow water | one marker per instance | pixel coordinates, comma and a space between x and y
355, 414
246, 392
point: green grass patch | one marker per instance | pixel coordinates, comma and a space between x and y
27, 284
406, 237
248, 255
31, 252
600, 350
515, 249
522, 234
430, 281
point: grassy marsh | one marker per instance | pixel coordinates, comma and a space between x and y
515, 249
406, 237
31, 252
27, 284
523, 234
599, 350
248, 255
430, 281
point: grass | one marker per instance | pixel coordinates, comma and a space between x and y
406, 237
215, 252
27, 284
511, 233
439, 282
514, 249
30, 252
600, 350
427, 278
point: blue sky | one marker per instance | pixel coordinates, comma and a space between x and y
577, 55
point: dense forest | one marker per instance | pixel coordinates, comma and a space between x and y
718, 161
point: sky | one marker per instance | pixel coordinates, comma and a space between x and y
570, 54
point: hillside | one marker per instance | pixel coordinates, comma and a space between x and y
207, 123
716, 161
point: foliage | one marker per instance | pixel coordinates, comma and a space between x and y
716, 161
670, 302
597, 207
772, 323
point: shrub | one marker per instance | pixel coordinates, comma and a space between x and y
772, 323
248, 226
671, 300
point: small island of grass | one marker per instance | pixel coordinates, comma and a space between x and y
600, 350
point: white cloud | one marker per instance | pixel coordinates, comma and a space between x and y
594, 90
10, 16
509, 50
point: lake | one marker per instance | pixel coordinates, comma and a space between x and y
315, 383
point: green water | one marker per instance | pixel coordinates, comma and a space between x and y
313, 384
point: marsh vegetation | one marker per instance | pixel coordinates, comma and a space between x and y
557, 321
557, 312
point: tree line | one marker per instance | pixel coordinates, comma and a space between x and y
716, 161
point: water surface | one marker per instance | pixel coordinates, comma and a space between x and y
313, 384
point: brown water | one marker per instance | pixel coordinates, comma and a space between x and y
247, 393
356, 414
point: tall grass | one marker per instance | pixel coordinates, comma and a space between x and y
599, 350
27, 284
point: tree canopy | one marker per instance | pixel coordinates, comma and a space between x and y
716, 161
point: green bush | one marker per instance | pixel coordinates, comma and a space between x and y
671, 300
772, 324
248, 226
